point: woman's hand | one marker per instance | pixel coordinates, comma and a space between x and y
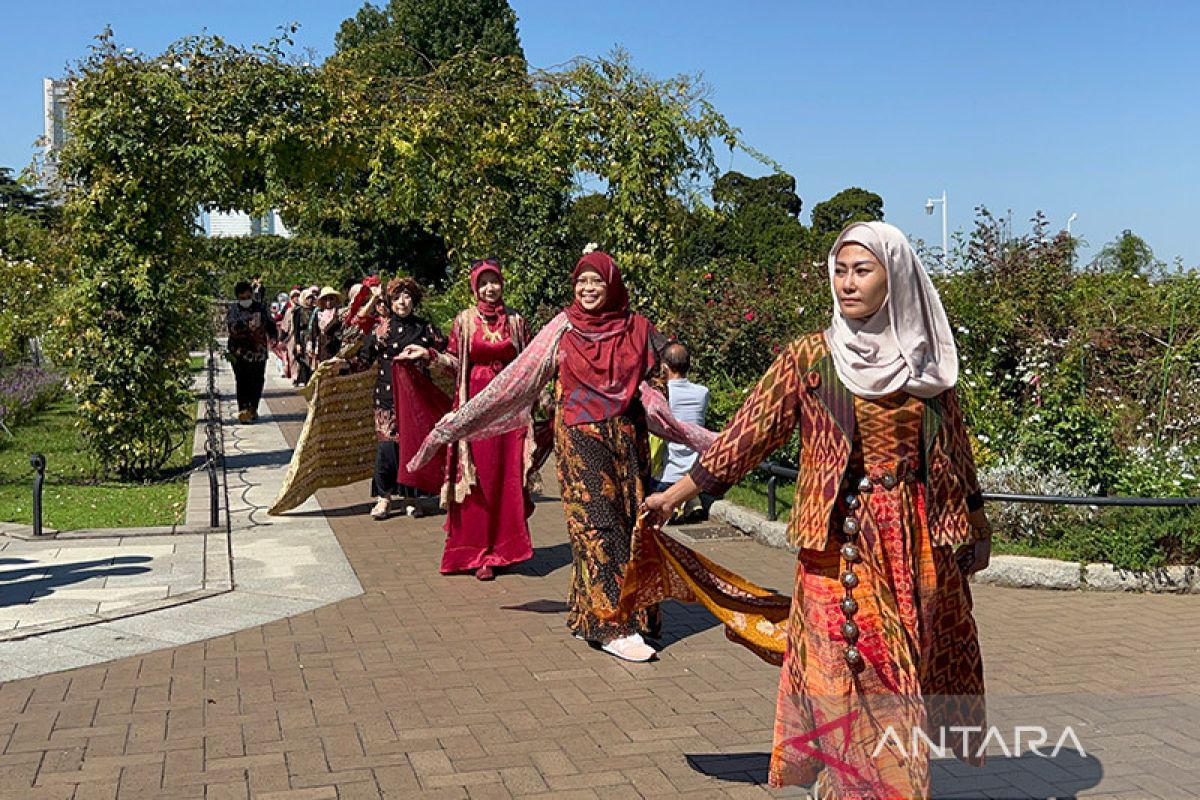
974, 556
660, 507
414, 352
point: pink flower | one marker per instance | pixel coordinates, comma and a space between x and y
708, 276
749, 316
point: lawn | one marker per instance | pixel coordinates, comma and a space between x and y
73, 497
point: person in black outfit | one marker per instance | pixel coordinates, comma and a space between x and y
251, 331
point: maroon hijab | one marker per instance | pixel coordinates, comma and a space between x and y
489, 311
606, 353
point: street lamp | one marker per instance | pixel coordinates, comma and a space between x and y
1071, 219
929, 204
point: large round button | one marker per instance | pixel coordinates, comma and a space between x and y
849, 579
850, 525
888, 480
864, 485
853, 657
852, 501
849, 606
849, 632
850, 552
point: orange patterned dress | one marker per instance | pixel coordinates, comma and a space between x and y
879, 648
918, 664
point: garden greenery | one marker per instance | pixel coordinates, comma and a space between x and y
1087, 375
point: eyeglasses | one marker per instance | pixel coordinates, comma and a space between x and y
491, 262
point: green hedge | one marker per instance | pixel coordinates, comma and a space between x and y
281, 261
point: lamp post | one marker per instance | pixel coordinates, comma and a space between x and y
1071, 219
929, 204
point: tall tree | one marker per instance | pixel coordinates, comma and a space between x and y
1128, 254
849, 205
412, 37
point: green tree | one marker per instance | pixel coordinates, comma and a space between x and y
407, 38
17, 197
1128, 254
848, 205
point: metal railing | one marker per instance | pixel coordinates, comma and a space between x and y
214, 452
214, 447
777, 471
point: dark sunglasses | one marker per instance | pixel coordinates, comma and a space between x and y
491, 262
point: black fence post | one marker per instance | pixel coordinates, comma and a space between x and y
38, 462
213, 445
772, 482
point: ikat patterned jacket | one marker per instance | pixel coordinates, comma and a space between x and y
802, 387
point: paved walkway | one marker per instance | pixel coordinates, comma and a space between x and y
432, 686
106, 597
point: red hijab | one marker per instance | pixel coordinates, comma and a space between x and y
606, 353
489, 311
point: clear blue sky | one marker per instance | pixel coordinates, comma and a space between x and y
1087, 107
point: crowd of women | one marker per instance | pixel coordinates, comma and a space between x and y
888, 519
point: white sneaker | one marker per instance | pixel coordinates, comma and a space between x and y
630, 648
382, 508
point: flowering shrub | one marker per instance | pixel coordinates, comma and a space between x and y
24, 391
1033, 523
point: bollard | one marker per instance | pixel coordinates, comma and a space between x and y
38, 462
772, 482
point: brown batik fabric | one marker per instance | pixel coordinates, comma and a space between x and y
602, 467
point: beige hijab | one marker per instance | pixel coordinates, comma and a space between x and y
905, 346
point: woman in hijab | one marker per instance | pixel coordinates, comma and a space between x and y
888, 520
395, 332
598, 354
488, 482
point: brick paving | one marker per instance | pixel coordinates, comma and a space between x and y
432, 686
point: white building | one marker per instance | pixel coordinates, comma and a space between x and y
239, 223
54, 109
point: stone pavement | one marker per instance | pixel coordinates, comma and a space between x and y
77, 602
432, 686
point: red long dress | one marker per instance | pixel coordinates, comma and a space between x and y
490, 527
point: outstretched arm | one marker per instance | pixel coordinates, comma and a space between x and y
505, 403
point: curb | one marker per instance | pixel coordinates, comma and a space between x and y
1019, 572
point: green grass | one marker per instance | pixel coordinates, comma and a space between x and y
196, 363
72, 496
752, 493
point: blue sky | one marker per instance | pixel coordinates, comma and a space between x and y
1068, 107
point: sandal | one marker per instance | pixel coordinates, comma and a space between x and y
630, 648
383, 507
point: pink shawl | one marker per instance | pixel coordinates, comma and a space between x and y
506, 403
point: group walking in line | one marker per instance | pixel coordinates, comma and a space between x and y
888, 521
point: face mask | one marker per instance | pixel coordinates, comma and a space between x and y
245, 303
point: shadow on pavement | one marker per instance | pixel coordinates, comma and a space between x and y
49, 577
540, 607
1024, 777
545, 561
269, 458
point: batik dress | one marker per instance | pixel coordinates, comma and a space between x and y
887, 651
603, 469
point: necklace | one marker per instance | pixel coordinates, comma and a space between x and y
491, 335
